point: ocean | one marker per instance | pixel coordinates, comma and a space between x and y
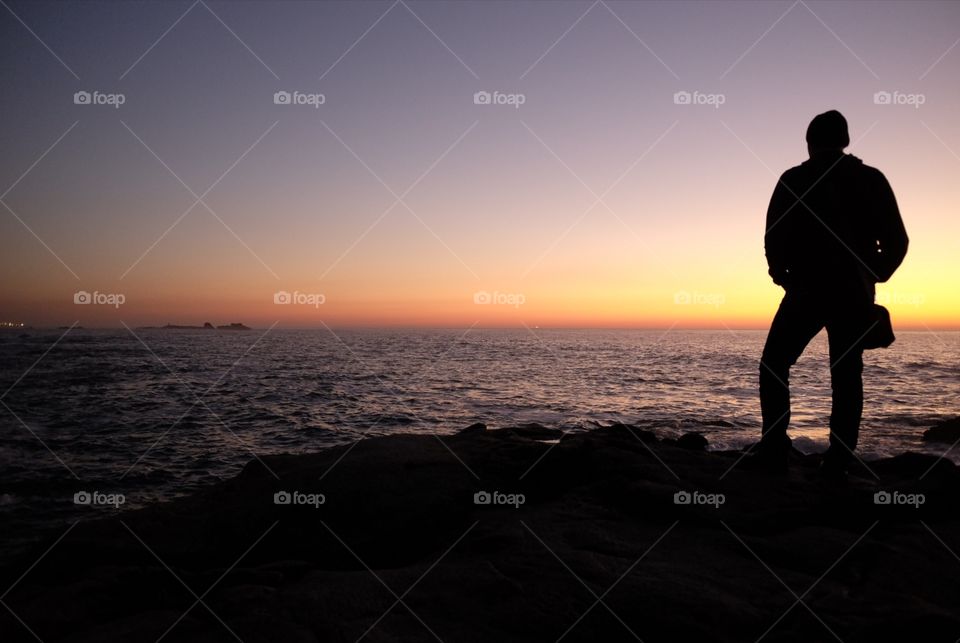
152, 414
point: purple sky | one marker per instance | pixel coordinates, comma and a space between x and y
499, 195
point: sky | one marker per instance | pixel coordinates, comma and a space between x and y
453, 163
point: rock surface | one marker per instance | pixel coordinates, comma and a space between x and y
519, 534
947, 431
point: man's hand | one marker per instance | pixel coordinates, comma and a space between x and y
780, 277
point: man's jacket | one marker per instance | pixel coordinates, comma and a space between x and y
833, 224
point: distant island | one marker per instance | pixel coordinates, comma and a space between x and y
179, 327
206, 326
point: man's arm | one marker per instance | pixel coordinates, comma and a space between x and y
891, 235
775, 240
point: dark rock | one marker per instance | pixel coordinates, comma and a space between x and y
531, 431
444, 517
477, 427
693, 441
946, 431
629, 430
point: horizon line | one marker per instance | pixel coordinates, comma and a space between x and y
77, 326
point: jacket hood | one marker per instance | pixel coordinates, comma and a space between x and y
846, 161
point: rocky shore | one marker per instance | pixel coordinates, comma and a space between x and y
518, 534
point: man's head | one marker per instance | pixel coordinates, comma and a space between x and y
827, 132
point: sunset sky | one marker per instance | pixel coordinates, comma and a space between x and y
598, 201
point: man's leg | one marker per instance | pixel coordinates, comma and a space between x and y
797, 322
846, 377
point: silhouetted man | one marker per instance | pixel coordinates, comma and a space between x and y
833, 231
